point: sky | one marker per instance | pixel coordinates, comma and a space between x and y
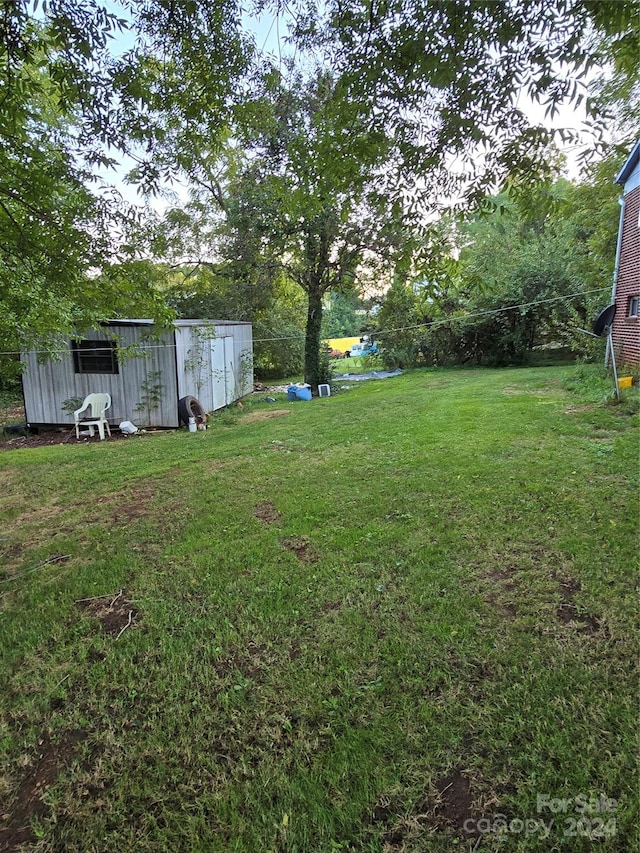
270, 32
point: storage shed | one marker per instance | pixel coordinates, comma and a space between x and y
625, 332
146, 371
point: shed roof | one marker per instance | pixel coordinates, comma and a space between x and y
146, 322
629, 166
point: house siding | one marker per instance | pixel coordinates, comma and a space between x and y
626, 330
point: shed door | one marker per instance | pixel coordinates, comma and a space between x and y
222, 373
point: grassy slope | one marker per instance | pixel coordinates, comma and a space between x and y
334, 613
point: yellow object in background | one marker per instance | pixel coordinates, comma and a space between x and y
341, 344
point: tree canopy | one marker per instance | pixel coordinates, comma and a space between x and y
384, 113
302, 198
70, 105
530, 278
451, 80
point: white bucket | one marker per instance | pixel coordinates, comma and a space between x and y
192, 425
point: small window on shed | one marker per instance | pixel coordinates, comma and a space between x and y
634, 306
94, 356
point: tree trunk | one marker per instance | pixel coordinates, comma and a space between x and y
312, 337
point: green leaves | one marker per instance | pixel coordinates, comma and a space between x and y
447, 79
68, 105
420, 109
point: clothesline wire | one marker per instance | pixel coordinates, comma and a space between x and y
377, 334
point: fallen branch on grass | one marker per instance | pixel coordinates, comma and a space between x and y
48, 562
124, 627
98, 597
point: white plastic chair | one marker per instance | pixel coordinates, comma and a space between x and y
94, 406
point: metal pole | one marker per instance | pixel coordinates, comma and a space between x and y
613, 364
616, 269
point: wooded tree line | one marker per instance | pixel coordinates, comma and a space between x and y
528, 281
337, 168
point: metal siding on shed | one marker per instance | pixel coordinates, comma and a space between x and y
182, 356
243, 341
206, 369
155, 367
193, 363
47, 385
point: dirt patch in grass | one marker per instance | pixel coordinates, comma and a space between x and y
301, 547
43, 440
519, 579
277, 446
568, 611
501, 575
39, 514
576, 410
295, 650
46, 439
218, 464
266, 512
10, 553
568, 588
137, 502
448, 809
114, 613
569, 614
130, 503
505, 608
454, 800
500, 581
255, 417
511, 390
40, 776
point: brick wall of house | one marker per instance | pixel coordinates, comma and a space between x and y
626, 330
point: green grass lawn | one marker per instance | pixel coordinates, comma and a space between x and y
401, 618
355, 365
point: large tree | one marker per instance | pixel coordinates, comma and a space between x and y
326, 174
70, 105
51, 226
453, 79
306, 198
532, 272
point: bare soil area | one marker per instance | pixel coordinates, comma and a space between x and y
44, 439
